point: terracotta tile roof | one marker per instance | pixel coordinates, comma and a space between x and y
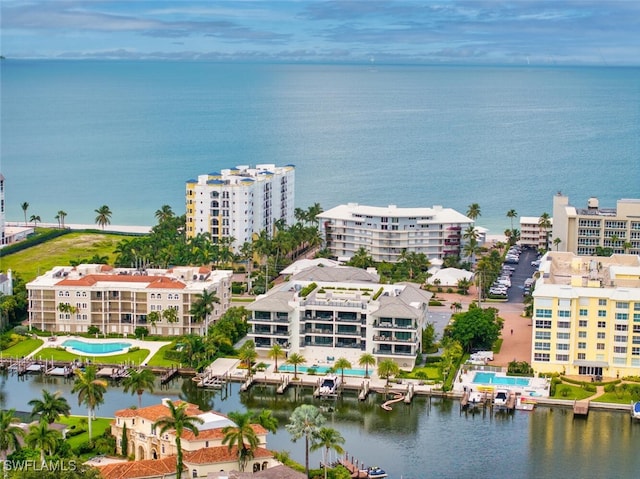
204, 270
167, 283
217, 433
153, 413
91, 279
212, 455
139, 469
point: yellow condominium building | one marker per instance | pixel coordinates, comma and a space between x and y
117, 300
587, 315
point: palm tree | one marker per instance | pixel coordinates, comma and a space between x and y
305, 421
361, 259
276, 352
62, 215
202, 307
342, 364
164, 213
10, 432
366, 360
266, 419
138, 381
34, 219
104, 216
25, 207
50, 407
544, 223
511, 214
456, 307
327, 438
248, 354
388, 368
178, 420
42, 438
295, 359
473, 211
242, 435
556, 243
90, 391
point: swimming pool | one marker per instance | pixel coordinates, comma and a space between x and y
323, 370
491, 378
95, 348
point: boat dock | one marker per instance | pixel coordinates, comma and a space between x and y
113, 373
359, 471
581, 408
169, 375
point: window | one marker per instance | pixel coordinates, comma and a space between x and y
564, 324
562, 357
564, 314
584, 312
562, 347
582, 356
563, 336
636, 339
602, 324
622, 305
620, 349
543, 324
583, 323
602, 302
544, 357
621, 327
543, 334
635, 351
582, 334
582, 345
622, 316
600, 346
621, 338
543, 313
543, 346
602, 313
636, 317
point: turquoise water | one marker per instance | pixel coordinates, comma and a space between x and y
504, 137
491, 378
322, 370
95, 348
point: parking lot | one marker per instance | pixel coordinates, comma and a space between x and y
523, 270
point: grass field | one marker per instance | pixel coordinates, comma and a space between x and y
60, 252
568, 391
158, 358
22, 348
136, 357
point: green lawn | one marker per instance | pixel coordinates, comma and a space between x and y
572, 392
98, 426
22, 348
60, 252
135, 357
616, 398
158, 358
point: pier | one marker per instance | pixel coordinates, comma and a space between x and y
284, 383
169, 375
581, 408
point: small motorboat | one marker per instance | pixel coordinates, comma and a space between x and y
375, 472
635, 410
501, 398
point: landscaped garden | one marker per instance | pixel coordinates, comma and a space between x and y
134, 357
22, 347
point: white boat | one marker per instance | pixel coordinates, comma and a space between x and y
635, 410
375, 472
329, 385
476, 399
501, 398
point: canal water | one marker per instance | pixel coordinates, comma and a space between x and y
429, 438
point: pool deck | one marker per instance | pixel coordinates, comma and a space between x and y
152, 346
538, 387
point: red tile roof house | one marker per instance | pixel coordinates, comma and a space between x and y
156, 455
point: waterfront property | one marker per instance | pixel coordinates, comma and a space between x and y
117, 300
583, 230
532, 235
203, 453
586, 315
326, 313
81, 347
489, 379
240, 202
386, 232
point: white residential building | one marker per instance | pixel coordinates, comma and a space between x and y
585, 230
2, 238
532, 236
240, 202
71, 299
385, 232
326, 313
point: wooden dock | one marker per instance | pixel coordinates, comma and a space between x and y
581, 408
247, 384
284, 383
169, 375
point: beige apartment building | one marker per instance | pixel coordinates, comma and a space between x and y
532, 236
117, 300
587, 315
585, 230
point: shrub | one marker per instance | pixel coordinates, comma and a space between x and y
93, 330
140, 332
565, 391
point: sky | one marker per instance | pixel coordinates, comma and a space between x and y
541, 32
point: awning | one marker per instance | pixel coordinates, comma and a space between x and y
592, 364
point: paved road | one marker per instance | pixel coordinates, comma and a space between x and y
523, 271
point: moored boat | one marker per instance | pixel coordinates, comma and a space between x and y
635, 410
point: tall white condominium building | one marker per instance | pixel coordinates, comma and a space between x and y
532, 236
238, 202
585, 231
2, 238
587, 315
71, 299
385, 232
325, 313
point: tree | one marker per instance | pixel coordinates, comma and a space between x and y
202, 307
456, 307
342, 364
178, 420
473, 211
305, 421
361, 259
10, 432
544, 223
103, 217
276, 352
25, 207
139, 380
153, 317
475, 328
50, 407
556, 243
242, 436
34, 219
248, 354
61, 216
266, 419
90, 391
366, 360
170, 315
164, 213
463, 285
511, 214
42, 438
124, 443
327, 438
295, 359
388, 368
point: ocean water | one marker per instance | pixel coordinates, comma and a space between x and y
79, 134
